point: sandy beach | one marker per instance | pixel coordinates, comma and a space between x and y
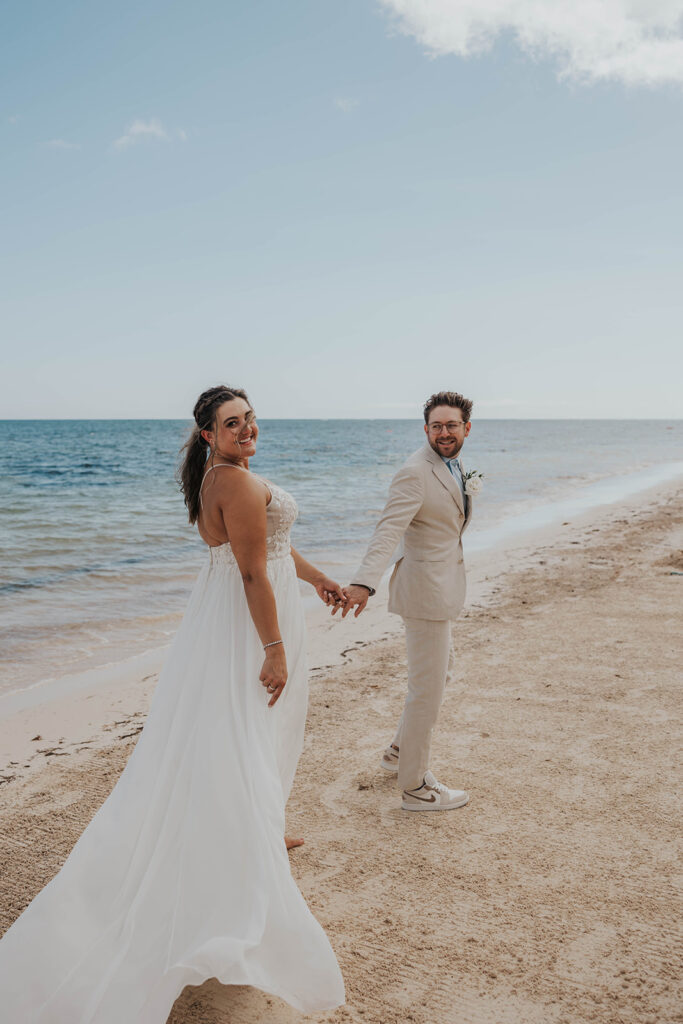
552, 897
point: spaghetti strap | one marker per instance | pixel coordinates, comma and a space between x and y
217, 465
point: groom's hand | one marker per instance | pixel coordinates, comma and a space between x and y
330, 593
356, 597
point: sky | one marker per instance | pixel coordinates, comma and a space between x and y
342, 207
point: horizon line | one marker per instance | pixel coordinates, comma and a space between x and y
340, 419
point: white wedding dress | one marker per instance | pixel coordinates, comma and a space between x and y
183, 875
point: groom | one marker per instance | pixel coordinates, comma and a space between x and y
426, 512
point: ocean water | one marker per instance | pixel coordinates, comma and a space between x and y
98, 558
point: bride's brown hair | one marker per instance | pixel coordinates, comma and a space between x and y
196, 449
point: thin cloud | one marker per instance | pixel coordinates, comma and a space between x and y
346, 103
62, 144
140, 130
635, 42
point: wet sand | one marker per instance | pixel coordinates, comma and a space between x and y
552, 897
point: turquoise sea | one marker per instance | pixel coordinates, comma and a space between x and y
98, 558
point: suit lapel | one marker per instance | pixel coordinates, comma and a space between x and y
445, 477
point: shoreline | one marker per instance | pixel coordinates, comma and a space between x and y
126, 646
589, 499
519, 532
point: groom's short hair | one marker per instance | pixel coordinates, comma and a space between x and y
452, 398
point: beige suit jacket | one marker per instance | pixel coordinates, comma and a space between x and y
425, 511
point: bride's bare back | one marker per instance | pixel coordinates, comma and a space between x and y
217, 496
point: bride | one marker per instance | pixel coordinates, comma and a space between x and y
183, 874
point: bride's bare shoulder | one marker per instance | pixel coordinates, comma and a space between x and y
233, 483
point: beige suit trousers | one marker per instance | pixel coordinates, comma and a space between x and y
431, 663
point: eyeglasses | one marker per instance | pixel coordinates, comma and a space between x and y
450, 428
236, 427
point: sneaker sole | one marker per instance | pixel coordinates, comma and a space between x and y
435, 807
393, 768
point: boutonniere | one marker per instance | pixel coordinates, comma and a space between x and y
473, 481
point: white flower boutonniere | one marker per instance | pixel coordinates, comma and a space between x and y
473, 481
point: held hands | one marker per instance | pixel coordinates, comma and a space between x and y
330, 593
355, 597
274, 672
335, 596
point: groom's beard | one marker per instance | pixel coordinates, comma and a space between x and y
448, 451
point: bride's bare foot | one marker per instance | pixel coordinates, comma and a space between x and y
291, 843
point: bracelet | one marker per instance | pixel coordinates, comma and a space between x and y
272, 643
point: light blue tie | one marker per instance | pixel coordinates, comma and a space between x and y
458, 475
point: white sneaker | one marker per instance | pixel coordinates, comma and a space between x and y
390, 759
433, 796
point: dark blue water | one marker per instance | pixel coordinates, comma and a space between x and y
98, 558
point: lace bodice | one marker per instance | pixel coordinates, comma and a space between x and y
281, 513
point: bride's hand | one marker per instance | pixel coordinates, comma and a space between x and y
330, 593
274, 672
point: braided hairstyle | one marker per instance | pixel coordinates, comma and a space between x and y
196, 449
